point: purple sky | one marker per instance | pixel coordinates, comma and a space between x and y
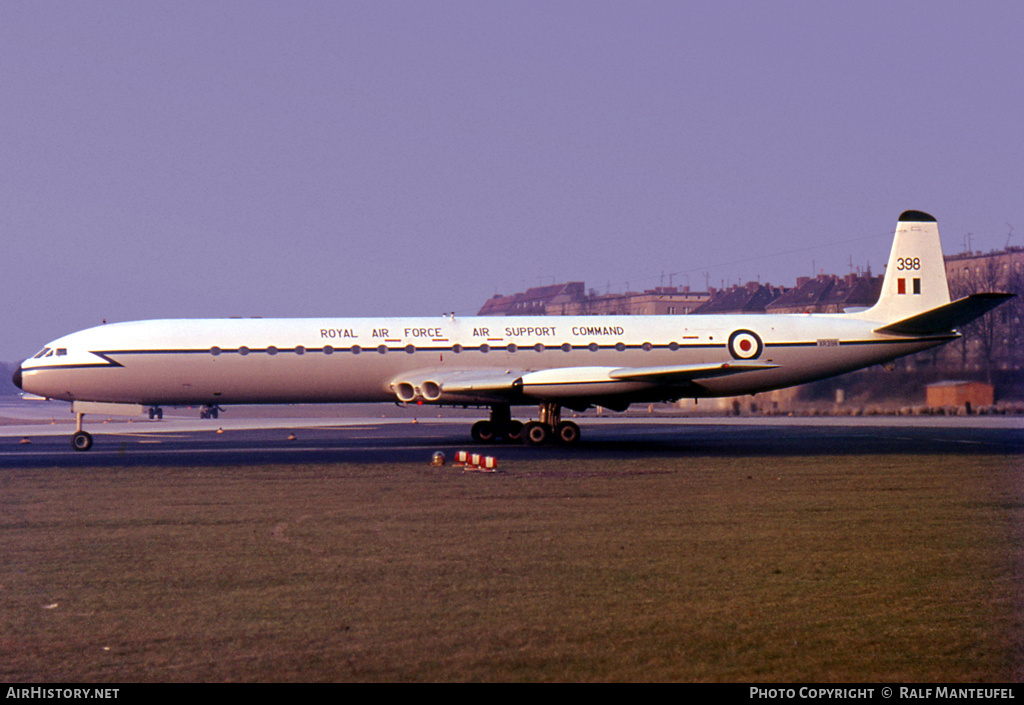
204, 159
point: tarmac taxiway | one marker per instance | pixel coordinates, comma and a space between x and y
29, 441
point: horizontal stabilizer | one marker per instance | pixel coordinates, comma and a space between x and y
946, 318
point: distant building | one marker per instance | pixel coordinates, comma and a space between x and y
662, 301
535, 301
957, 393
972, 272
751, 298
570, 299
828, 293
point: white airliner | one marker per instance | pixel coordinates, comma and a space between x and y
500, 362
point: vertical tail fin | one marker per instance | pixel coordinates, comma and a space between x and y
915, 278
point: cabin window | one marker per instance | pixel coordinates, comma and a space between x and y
328, 350
620, 346
356, 349
647, 347
539, 347
271, 350
215, 351
410, 348
243, 350
299, 350
511, 347
566, 347
485, 348
673, 346
456, 348
593, 347
382, 349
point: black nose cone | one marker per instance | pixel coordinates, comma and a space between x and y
17, 377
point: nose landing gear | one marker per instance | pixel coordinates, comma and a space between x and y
80, 440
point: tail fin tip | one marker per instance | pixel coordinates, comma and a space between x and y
916, 217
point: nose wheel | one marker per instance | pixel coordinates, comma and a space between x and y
80, 440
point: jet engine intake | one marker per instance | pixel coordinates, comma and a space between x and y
419, 390
430, 390
405, 391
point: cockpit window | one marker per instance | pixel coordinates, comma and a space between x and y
61, 352
41, 353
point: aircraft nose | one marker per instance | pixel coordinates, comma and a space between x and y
16, 378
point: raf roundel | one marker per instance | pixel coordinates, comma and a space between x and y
745, 345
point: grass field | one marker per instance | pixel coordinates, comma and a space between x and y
872, 568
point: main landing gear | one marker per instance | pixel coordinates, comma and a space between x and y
501, 426
549, 428
210, 411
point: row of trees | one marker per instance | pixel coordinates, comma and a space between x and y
991, 344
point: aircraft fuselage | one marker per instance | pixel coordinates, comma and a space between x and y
254, 361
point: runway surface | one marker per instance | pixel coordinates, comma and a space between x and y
251, 441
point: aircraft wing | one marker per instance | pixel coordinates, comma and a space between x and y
574, 383
675, 374
946, 318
